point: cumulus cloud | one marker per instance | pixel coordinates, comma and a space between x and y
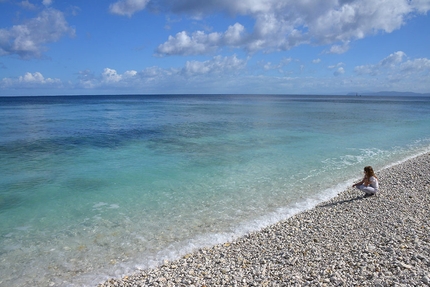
30, 80
392, 59
201, 43
338, 49
127, 7
270, 66
27, 5
110, 76
28, 40
365, 70
283, 24
184, 44
396, 68
36, 78
87, 79
221, 74
389, 62
396, 72
416, 66
217, 65
338, 69
422, 5
47, 2
234, 34
131, 79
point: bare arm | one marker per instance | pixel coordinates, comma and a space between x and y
359, 183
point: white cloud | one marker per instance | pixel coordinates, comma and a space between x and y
110, 76
129, 74
339, 71
155, 77
233, 35
130, 79
390, 62
397, 72
416, 66
30, 80
283, 24
183, 44
365, 70
392, 59
217, 65
284, 61
127, 7
338, 49
27, 5
316, 61
47, 2
37, 78
340, 64
153, 73
87, 79
28, 40
201, 43
422, 5
221, 74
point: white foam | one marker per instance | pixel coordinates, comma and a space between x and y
100, 204
424, 151
23, 228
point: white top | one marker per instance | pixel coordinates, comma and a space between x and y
374, 182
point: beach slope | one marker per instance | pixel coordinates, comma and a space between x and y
383, 240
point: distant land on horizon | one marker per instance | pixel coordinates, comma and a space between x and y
388, 93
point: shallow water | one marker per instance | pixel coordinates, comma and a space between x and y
94, 187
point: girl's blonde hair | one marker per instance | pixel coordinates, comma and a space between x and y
369, 171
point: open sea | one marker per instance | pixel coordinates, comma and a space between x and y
93, 187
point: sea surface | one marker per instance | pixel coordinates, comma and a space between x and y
93, 187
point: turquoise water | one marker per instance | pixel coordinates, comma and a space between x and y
99, 186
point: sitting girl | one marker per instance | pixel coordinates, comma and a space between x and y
369, 184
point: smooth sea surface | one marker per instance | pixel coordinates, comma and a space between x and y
93, 187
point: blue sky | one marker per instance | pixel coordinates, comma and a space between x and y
53, 47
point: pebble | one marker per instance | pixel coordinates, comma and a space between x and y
383, 240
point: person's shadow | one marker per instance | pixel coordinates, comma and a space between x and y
359, 197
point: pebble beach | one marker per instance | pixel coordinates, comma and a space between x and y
350, 240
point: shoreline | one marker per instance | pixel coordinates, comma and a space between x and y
381, 240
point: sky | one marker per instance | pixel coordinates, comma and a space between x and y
81, 47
